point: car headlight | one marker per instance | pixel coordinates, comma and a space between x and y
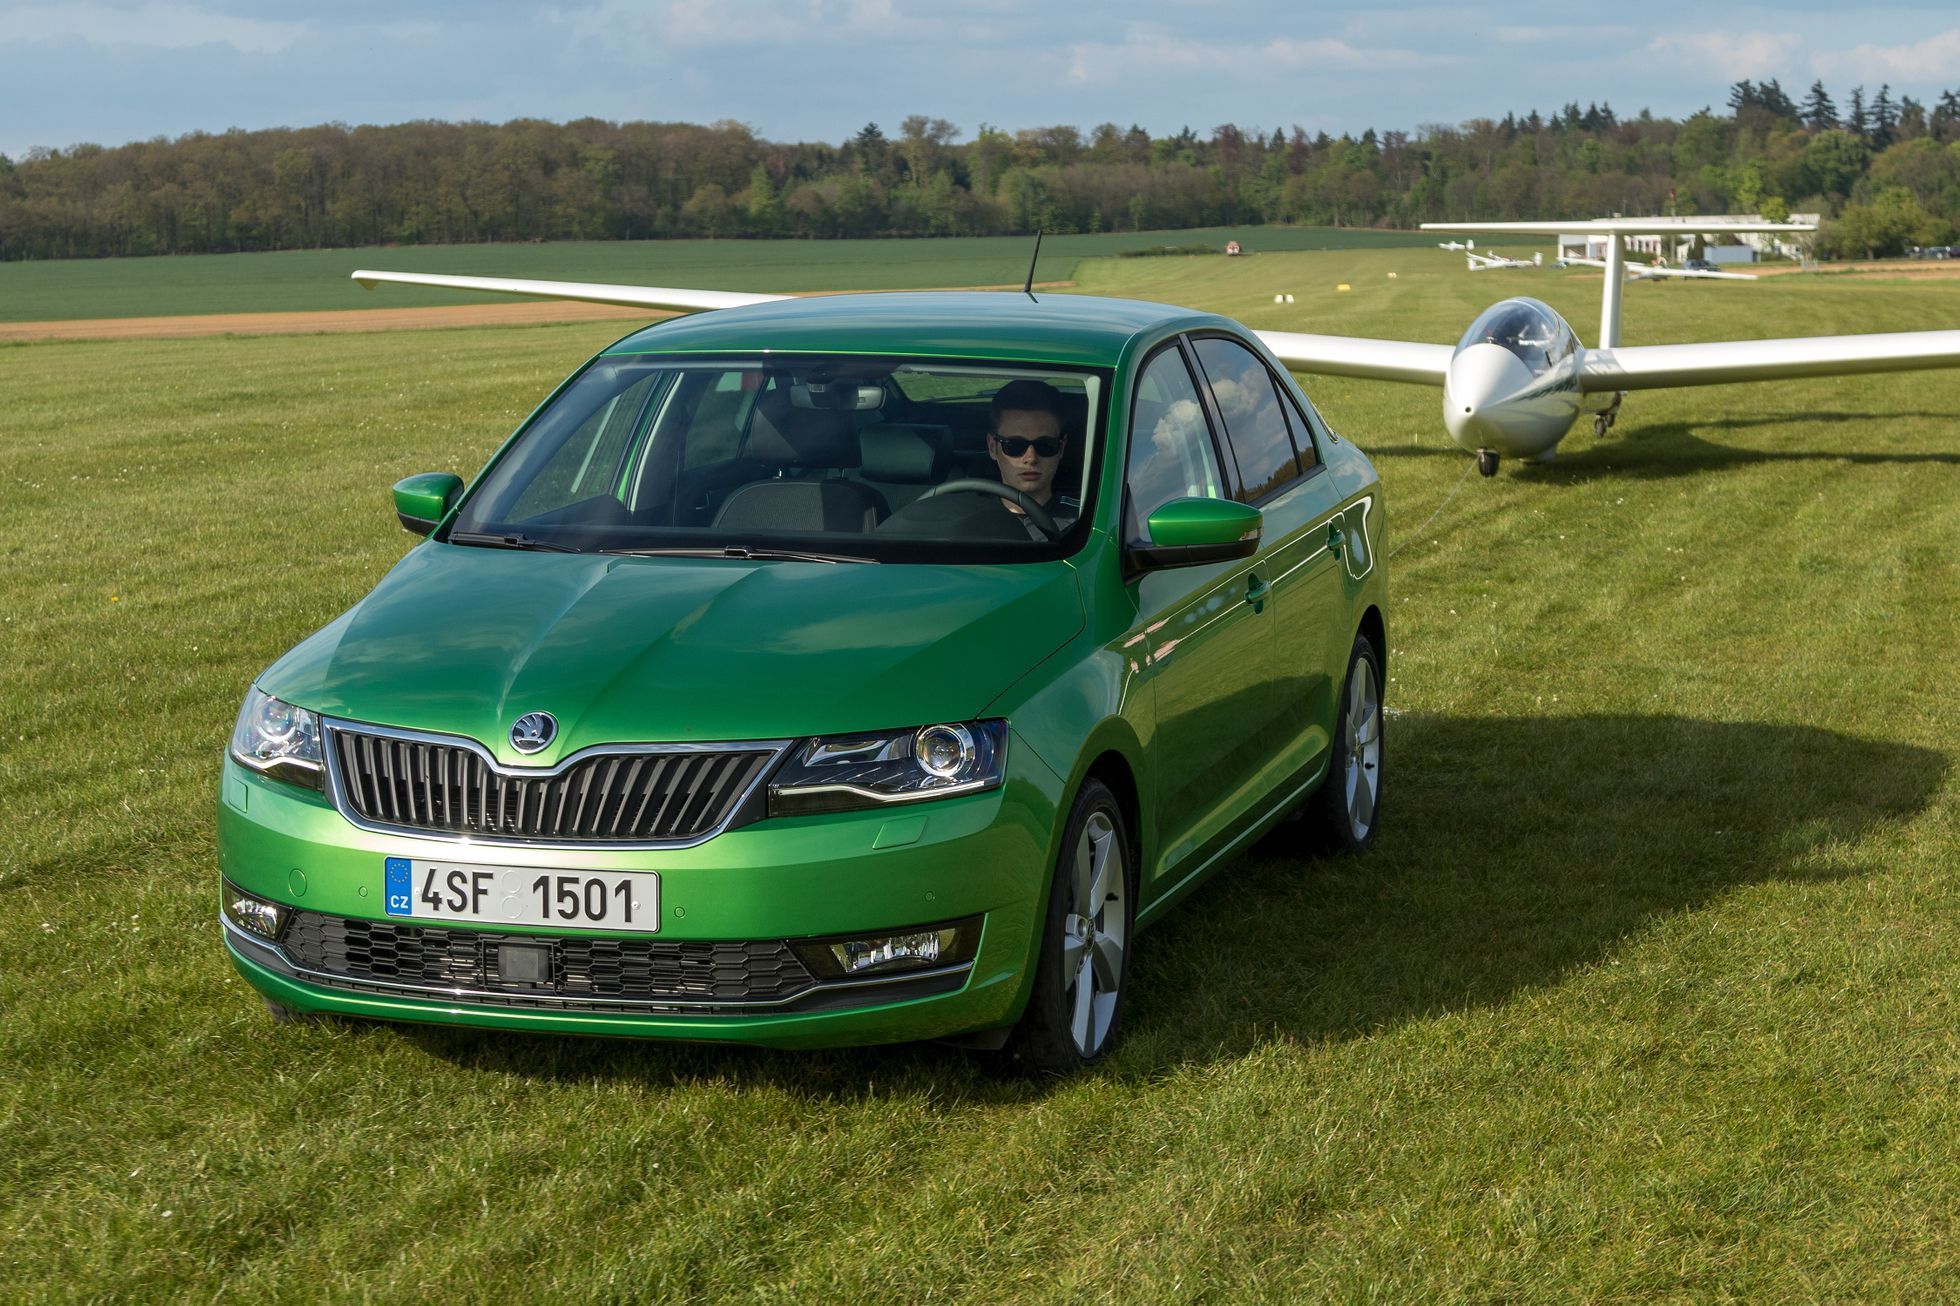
836, 773
279, 740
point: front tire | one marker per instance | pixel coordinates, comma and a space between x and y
1080, 976
1346, 811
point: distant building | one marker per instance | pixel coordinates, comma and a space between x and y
1675, 248
1232, 248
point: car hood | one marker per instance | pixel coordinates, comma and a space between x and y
465, 640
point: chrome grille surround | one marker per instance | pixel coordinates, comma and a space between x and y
396, 781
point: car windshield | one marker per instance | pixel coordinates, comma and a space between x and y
828, 459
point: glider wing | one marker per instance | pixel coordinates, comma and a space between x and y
1654, 367
1375, 360
658, 297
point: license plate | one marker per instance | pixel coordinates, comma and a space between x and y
522, 895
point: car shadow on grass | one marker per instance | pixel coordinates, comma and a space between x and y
944, 1075
1512, 852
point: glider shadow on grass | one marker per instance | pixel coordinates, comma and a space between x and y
1660, 450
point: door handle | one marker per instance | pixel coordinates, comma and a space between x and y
1335, 540
1256, 592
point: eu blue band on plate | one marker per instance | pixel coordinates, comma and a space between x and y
399, 887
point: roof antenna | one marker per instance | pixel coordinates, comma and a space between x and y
1028, 289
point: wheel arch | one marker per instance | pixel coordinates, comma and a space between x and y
1113, 754
1108, 755
1115, 771
1376, 629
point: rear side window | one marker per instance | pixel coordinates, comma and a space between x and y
1306, 425
1255, 421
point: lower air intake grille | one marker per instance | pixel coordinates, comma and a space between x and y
644, 970
413, 784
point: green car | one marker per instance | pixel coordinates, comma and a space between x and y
821, 672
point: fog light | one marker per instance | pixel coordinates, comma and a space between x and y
894, 951
253, 914
913, 949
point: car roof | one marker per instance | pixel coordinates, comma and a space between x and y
1079, 330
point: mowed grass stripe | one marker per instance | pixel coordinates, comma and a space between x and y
1647, 990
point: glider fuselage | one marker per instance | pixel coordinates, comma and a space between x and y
1513, 385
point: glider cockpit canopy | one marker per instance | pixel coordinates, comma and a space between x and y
1528, 328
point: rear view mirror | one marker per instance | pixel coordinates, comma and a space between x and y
421, 502
844, 396
1186, 532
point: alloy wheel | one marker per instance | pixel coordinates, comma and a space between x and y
1364, 748
1095, 931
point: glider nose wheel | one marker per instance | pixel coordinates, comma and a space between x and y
1487, 462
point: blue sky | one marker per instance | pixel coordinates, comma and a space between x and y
111, 71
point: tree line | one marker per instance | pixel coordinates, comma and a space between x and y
1886, 171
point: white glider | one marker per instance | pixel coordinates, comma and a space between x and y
1645, 271
1513, 384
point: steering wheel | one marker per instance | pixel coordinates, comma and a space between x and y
1019, 498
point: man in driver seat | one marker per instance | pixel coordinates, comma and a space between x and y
1025, 440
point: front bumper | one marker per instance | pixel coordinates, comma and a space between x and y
744, 893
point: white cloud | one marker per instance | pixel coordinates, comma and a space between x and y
711, 24
1932, 61
1151, 50
1552, 34
159, 26
1734, 56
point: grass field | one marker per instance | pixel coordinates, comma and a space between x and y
1647, 991
312, 280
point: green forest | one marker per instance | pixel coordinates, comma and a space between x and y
1885, 173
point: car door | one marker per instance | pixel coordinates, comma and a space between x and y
1281, 474
1206, 633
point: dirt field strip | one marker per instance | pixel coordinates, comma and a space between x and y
1914, 269
527, 313
353, 319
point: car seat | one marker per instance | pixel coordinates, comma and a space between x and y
810, 448
902, 460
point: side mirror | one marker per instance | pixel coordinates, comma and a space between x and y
1187, 532
421, 502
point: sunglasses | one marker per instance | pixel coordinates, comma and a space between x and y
1048, 446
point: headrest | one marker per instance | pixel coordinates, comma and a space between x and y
1075, 416
805, 437
905, 453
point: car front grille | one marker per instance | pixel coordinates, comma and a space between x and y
585, 970
627, 797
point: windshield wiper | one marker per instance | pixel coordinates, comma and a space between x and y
741, 551
513, 541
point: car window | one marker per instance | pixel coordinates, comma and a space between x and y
888, 459
594, 439
1255, 423
1171, 454
1306, 426
722, 406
